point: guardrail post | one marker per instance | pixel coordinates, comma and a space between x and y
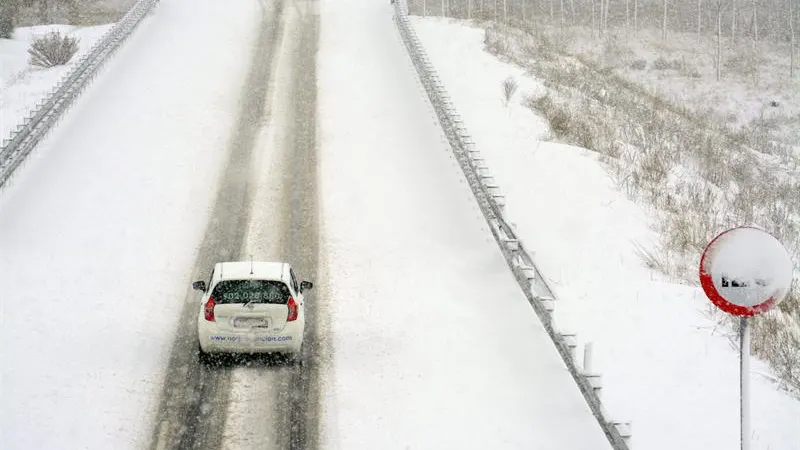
625, 431
549, 303
571, 340
593, 378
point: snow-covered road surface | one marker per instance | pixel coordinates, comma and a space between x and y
433, 345
99, 230
266, 208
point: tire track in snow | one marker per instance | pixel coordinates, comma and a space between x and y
268, 404
302, 233
192, 404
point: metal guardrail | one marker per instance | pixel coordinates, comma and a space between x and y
40, 120
492, 204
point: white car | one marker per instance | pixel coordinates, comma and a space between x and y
251, 307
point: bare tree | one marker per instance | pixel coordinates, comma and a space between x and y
601, 18
733, 22
791, 39
636, 17
755, 25
699, 19
627, 17
572, 8
601, 23
719, 40
593, 17
664, 23
562, 14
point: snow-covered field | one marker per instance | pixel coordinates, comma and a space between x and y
686, 76
665, 365
23, 85
98, 231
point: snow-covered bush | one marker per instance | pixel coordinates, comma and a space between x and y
510, 86
638, 64
662, 63
52, 49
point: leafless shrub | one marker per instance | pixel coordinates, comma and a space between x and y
662, 63
510, 86
654, 167
578, 128
651, 260
52, 49
638, 64
690, 71
493, 41
540, 103
745, 63
615, 52
560, 119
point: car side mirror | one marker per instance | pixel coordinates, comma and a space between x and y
199, 286
306, 285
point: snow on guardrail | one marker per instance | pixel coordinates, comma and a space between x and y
40, 120
492, 203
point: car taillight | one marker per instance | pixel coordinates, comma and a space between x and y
292, 310
210, 309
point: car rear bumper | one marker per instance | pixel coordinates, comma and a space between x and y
212, 340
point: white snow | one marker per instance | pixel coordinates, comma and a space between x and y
98, 232
432, 343
664, 363
23, 85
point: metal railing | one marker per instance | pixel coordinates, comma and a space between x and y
492, 203
40, 120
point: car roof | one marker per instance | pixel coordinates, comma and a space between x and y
241, 270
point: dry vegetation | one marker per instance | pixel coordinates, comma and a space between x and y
697, 172
698, 177
52, 49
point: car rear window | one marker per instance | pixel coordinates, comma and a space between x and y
256, 291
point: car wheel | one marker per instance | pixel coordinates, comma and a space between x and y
294, 358
203, 357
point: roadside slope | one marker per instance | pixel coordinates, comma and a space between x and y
654, 341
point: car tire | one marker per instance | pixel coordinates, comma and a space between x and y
203, 357
294, 358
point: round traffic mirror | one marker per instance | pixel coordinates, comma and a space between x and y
745, 271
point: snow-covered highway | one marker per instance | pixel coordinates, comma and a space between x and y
283, 130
